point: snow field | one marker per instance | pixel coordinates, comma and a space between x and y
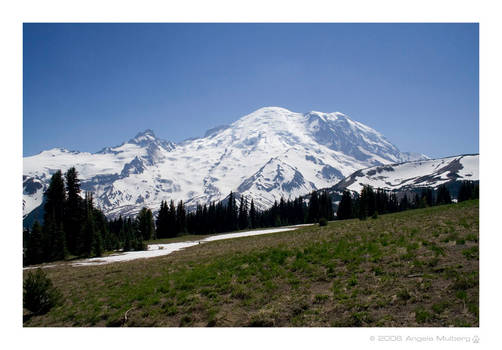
155, 250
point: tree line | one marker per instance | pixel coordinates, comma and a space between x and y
370, 202
74, 227
226, 216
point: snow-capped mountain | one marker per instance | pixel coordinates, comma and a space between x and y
267, 154
415, 174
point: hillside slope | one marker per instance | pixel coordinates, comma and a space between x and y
414, 174
418, 268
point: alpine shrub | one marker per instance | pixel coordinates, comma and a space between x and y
323, 222
39, 295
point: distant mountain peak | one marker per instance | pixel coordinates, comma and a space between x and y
147, 135
267, 154
269, 109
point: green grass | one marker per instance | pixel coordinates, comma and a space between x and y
402, 269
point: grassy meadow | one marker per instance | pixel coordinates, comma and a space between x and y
418, 268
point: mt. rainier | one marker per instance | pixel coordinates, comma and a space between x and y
267, 154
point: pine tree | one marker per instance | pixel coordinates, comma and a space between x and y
172, 227
55, 197
345, 207
443, 195
205, 220
180, 218
26, 237
99, 243
231, 220
283, 212
145, 225
48, 235
468, 190
382, 201
313, 209
243, 213
393, 203
162, 221
219, 217
73, 210
53, 236
331, 211
34, 249
127, 234
427, 198
367, 205
59, 251
89, 239
253, 215
404, 204
212, 218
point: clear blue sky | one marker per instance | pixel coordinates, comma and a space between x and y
87, 86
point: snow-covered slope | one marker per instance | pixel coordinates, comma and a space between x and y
267, 154
423, 173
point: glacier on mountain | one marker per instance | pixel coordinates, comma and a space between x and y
268, 154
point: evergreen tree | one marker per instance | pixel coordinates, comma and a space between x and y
313, 209
102, 240
331, 211
300, 211
55, 197
172, 226
126, 232
48, 235
231, 220
97, 243
326, 206
34, 249
59, 251
443, 195
345, 207
73, 210
274, 217
136, 234
243, 213
91, 241
162, 220
468, 190
180, 218
282, 212
427, 197
367, 205
220, 217
53, 236
205, 220
212, 218
26, 237
404, 204
253, 215
382, 201
418, 202
393, 203
145, 225
39, 295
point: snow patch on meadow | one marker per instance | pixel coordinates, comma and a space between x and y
155, 250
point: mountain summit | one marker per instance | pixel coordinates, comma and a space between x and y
268, 154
